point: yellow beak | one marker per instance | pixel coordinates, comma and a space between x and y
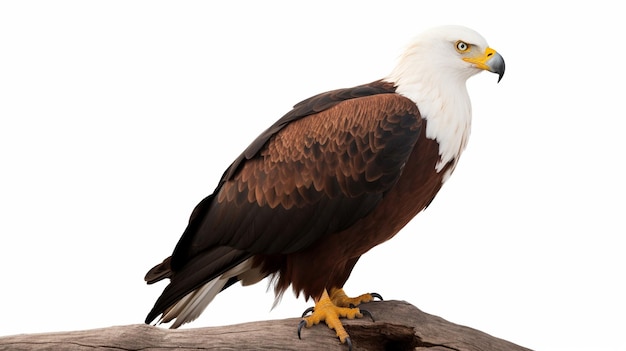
490, 61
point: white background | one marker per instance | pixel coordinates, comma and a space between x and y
117, 117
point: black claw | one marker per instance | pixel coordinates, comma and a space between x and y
300, 326
310, 309
349, 342
367, 313
377, 295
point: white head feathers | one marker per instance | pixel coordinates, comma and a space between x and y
433, 73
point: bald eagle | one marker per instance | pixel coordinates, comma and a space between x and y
340, 173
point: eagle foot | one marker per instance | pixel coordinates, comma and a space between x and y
343, 301
367, 313
310, 309
330, 308
339, 298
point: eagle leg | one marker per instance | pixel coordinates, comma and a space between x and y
329, 308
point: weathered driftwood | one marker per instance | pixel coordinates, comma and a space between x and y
397, 326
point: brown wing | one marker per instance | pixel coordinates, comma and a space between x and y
312, 174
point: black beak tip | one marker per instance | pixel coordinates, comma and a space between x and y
500, 71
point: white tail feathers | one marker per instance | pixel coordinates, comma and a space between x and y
191, 306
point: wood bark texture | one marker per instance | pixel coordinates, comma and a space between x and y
398, 325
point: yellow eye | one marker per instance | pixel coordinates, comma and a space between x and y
462, 46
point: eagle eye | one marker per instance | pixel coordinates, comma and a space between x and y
462, 46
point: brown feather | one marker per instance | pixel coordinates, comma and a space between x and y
335, 255
322, 174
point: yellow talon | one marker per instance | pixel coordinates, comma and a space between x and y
329, 308
339, 298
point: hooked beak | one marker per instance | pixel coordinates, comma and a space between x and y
490, 61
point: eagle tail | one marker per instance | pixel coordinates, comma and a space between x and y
190, 306
159, 272
193, 304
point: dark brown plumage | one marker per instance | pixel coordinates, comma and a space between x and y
310, 178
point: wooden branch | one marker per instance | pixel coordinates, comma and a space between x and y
398, 326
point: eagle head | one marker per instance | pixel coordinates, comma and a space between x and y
432, 72
462, 49
446, 54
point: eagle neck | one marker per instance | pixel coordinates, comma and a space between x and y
443, 101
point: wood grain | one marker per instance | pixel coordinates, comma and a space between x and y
398, 326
